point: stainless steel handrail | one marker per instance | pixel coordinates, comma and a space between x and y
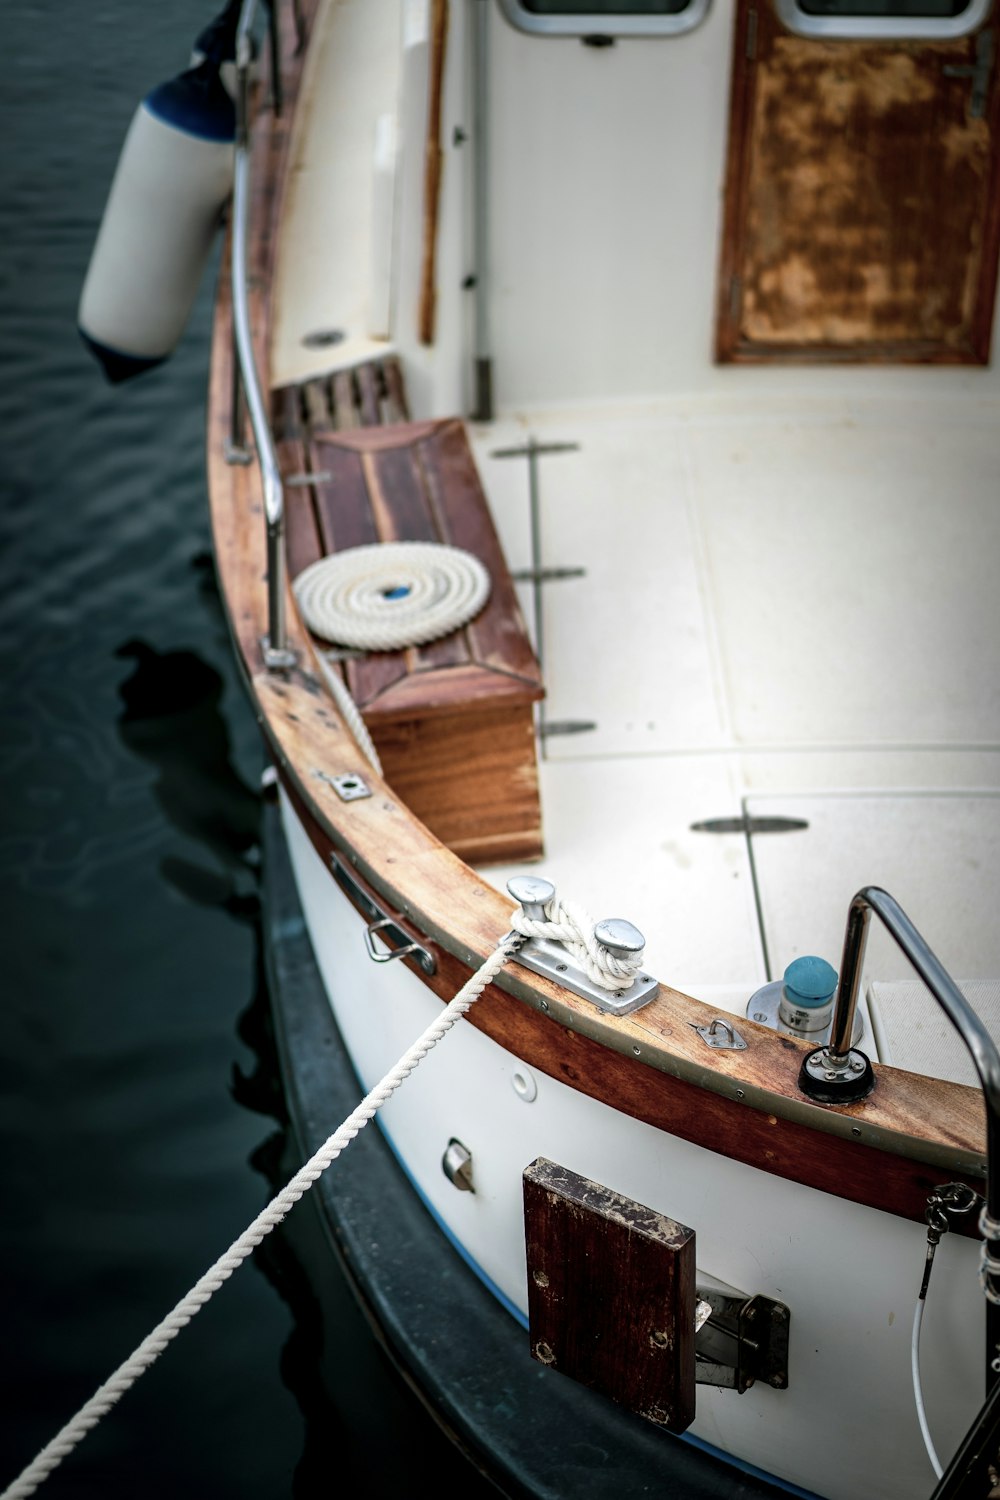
837, 1072
278, 656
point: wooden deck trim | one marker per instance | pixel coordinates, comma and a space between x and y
884, 1152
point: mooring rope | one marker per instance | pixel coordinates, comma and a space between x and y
154, 1344
566, 922
391, 594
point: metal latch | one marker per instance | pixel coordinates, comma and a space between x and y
400, 943
979, 72
741, 1340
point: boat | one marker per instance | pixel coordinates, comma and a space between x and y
667, 326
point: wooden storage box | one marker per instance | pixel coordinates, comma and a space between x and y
453, 720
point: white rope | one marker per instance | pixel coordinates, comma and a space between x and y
154, 1344
351, 712
392, 594
569, 924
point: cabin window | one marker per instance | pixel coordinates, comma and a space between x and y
605, 17
883, 18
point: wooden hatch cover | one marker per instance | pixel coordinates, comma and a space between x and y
611, 1294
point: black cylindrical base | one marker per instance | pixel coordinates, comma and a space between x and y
852, 1084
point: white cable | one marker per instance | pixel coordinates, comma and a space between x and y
391, 594
154, 1344
918, 1395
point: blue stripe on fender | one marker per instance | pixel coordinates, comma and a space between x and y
195, 102
116, 364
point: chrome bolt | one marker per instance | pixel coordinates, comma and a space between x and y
857, 1065
533, 894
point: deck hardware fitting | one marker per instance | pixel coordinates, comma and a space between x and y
235, 453
400, 943
370, 908
456, 1164
277, 658
337, 654
524, 1085
349, 788
550, 959
323, 338
742, 1339
979, 72
546, 575
720, 1034
300, 481
548, 728
750, 825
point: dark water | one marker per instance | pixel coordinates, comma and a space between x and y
139, 1121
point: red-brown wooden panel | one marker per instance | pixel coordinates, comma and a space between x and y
611, 1294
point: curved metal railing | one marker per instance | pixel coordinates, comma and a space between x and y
278, 656
829, 1070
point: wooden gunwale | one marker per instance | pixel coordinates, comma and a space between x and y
885, 1152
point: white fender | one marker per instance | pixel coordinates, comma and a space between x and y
173, 178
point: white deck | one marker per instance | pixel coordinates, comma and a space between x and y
791, 612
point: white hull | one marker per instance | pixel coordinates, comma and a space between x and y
849, 1275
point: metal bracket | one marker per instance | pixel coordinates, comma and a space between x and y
400, 943
551, 961
720, 1034
546, 575
349, 788
277, 658
743, 1339
549, 727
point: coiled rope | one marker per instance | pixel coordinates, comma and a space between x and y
566, 922
391, 594
154, 1344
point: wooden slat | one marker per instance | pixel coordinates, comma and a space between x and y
611, 1294
402, 514
345, 411
368, 395
303, 544
396, 406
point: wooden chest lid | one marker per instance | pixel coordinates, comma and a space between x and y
417, 481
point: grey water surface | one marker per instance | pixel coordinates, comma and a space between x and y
140, 1119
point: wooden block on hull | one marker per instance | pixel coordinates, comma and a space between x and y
611, 1294
452, 720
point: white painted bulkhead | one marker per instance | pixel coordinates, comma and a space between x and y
849, 1275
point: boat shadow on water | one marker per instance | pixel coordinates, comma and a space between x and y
347, 1390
